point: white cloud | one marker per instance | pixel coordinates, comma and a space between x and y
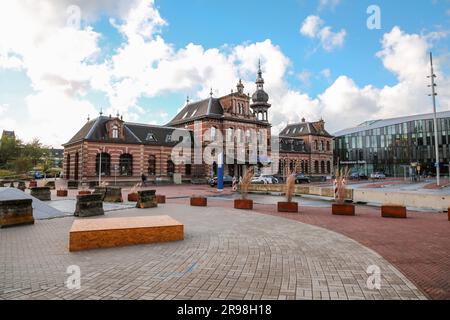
141, 20
326, 73
305, 77
313, 27
6, 122
328, 4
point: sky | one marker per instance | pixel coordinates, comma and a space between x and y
346, 61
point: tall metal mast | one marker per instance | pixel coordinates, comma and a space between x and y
436, 142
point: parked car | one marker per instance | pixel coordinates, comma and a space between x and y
358, 176
227, 181
36, 175
378, 175
301, 178
264, 180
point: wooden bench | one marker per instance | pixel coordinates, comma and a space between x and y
88, 234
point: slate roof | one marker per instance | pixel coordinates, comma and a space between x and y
135, 133
210, 107
302, 129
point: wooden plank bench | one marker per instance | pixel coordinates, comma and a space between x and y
88, 234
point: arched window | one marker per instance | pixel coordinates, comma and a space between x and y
170, 168
306, 166
316, 145
328, 146
151, 165
328, 167
316, 166
115, 132
322, 167
104, 165
322, 146
68, 167
126, 165
302, 166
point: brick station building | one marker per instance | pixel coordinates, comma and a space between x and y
123, 151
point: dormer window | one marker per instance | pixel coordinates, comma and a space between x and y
115, 132
150, 137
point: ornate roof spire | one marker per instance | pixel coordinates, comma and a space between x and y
101, 111
240, 87
211, 93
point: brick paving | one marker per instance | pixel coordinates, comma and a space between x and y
418, 246
226, 254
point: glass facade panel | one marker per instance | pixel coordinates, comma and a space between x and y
393, 149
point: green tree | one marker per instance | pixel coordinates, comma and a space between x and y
22, 164
9, 150
34, 151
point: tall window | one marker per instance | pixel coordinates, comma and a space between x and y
75, 172
213, 133
328, 167
316, 166
291, 166
188, 169
115, 132
230, 134
104, 164
322, 167
322, 146
328, 145
239, 135
214, 167
126, 165
306, 166
152, 165
316, 145
68, 167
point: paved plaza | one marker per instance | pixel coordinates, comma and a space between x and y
226, 254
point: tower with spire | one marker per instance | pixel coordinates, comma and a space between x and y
260, 98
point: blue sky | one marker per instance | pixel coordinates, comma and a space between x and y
313, 76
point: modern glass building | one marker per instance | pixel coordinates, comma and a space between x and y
397, 147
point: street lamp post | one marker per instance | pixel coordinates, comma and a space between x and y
436, 142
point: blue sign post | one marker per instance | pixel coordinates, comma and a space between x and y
220, 172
